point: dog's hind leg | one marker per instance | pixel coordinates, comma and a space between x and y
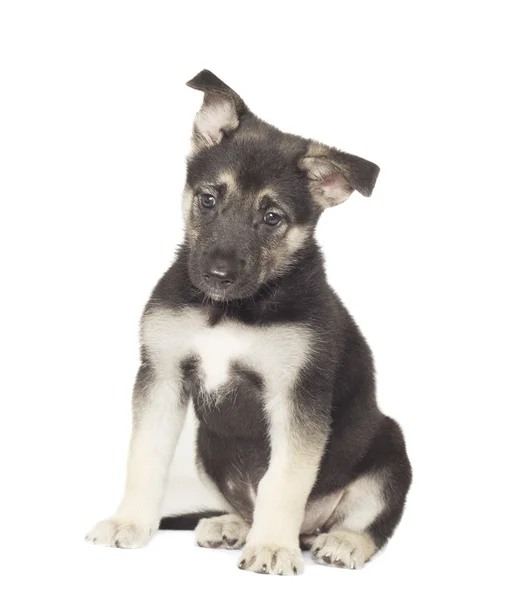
370, 507
226, 531
348, 542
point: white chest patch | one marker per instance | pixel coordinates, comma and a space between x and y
275, 352
216, 349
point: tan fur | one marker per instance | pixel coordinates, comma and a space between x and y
227, 531
361, 503
187, 203
212, 121
347, 543
321, 514
344, 549
228, 178
295, 238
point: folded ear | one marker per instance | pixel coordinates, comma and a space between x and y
333, 175
219, 113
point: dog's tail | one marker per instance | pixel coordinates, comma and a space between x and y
188, 521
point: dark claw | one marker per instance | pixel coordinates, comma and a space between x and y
327, 559
295, 570
339, 563
232, 542
214, 544
242, 564
316, 551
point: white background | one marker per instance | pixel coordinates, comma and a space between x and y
94, 126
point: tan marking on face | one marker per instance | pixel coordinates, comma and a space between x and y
228, 178
263, 194
187, 202
294, 239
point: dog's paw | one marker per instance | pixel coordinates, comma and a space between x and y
226, 531
272, 559
119, 534
344, 549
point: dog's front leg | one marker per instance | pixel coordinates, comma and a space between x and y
159, 410
272, 544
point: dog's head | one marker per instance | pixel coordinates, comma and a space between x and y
254, 194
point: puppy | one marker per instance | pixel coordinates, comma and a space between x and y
245, 326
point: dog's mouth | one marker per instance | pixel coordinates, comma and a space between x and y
219, 291
222, 291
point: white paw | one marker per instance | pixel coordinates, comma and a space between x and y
272, 559
226, 531
344, 549
119, 534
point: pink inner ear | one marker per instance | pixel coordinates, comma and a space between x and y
336, 187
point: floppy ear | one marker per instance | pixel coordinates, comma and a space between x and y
219, 113
333, 175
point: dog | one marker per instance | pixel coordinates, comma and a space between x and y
245, 326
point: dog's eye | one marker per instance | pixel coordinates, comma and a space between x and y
272, 219
207, 200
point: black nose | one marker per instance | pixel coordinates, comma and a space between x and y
220, 272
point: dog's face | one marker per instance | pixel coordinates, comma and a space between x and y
254, 194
